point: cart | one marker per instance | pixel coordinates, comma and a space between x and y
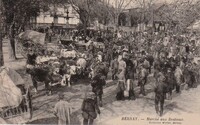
30, 39
21, 112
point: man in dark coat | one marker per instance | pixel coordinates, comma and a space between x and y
31, 58
129, 78
114, 68
30, 64
187, 48
97, 86
151, 60
170, 81
89, 109
160, 93
143, 79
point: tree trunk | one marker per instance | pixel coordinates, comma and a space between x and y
12, 54
116, 21
1, 50
1, 32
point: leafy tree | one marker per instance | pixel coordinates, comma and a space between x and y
115, 8
17, 14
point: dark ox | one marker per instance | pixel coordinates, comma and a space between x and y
45, 75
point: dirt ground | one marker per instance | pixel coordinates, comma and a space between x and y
182, 104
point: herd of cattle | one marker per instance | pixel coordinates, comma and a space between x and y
69, 65
169, 72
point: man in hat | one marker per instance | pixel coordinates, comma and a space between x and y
62, 110
89, 109
31, 57
30, 64
170, 81
129, 76
142, 79
97, 86
146, 63
178, 75
114, 68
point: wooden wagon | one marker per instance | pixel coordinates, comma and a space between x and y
22, 111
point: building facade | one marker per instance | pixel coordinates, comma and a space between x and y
63, 17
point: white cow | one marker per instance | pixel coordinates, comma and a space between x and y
71, 71
42, 59
99, 45
81, 62
68, 54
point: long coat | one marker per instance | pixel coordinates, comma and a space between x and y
121, 70
89, 108
178, 75
97, 85
129, 69
170, 80
62, 111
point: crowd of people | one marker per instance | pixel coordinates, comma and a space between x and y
172, 60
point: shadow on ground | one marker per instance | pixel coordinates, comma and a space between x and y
54, 120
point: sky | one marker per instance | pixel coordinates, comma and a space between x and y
134, 3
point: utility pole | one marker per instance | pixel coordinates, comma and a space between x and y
1, 34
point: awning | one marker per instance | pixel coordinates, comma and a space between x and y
33, 36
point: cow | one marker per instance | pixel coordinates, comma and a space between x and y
67, 69
71, 70
46, 75
68, 54
82, 63
99, 45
